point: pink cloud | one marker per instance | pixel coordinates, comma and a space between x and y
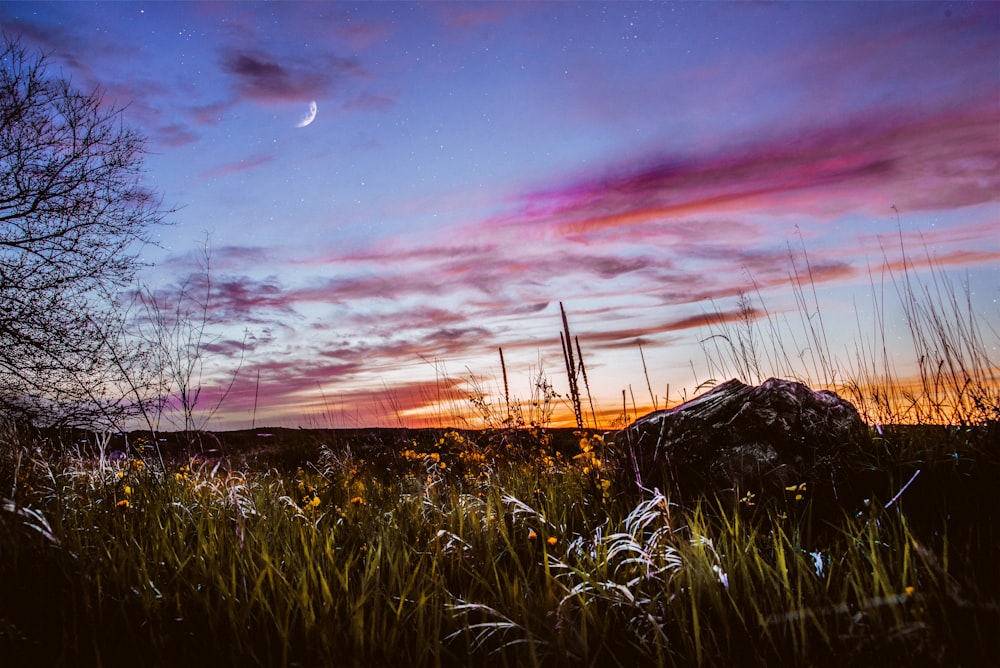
920, 240
174, 135
305, 391
942, 162
209, 114
246, 300
243, 165
624, 337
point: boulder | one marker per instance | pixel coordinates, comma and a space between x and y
762, 439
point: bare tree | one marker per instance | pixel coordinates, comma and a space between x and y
73, 218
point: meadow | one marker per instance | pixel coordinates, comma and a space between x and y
515, 545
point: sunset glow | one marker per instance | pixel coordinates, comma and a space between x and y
393, 192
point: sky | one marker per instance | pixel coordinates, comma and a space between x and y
472, 165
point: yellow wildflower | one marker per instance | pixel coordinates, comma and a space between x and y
798, 489
315, 502
127, 490
532, 535
123, 503
552, 540
357, 501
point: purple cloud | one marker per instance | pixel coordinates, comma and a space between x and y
941, 162
267, 78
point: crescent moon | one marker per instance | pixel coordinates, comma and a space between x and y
310, 115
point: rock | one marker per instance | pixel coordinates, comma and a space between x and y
740, 438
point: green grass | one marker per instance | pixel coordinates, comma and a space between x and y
515, 561
515, 547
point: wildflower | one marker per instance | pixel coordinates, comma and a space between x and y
910, 591
552, 541
315, 502
127, 490
532, 535
443, 465
748, 499
798, 489
123, 503
356, 501
722, 576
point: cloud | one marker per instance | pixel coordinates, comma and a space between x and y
232, 258
946, 161
174, 135
268, 78
303, 391
243, 165
241, 299
222, 300
208, 114
228, 348
648, 334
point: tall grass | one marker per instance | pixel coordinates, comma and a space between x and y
948, 377
533, 562
510, 547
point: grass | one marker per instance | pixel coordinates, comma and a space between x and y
454, 558
513, 546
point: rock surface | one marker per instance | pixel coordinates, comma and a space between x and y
759, 439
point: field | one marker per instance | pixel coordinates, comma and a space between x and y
518, 545
431, 548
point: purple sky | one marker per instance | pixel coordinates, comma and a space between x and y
472, 165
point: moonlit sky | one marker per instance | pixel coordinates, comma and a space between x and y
472, 165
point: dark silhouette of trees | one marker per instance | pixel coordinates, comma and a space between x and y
74, 216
